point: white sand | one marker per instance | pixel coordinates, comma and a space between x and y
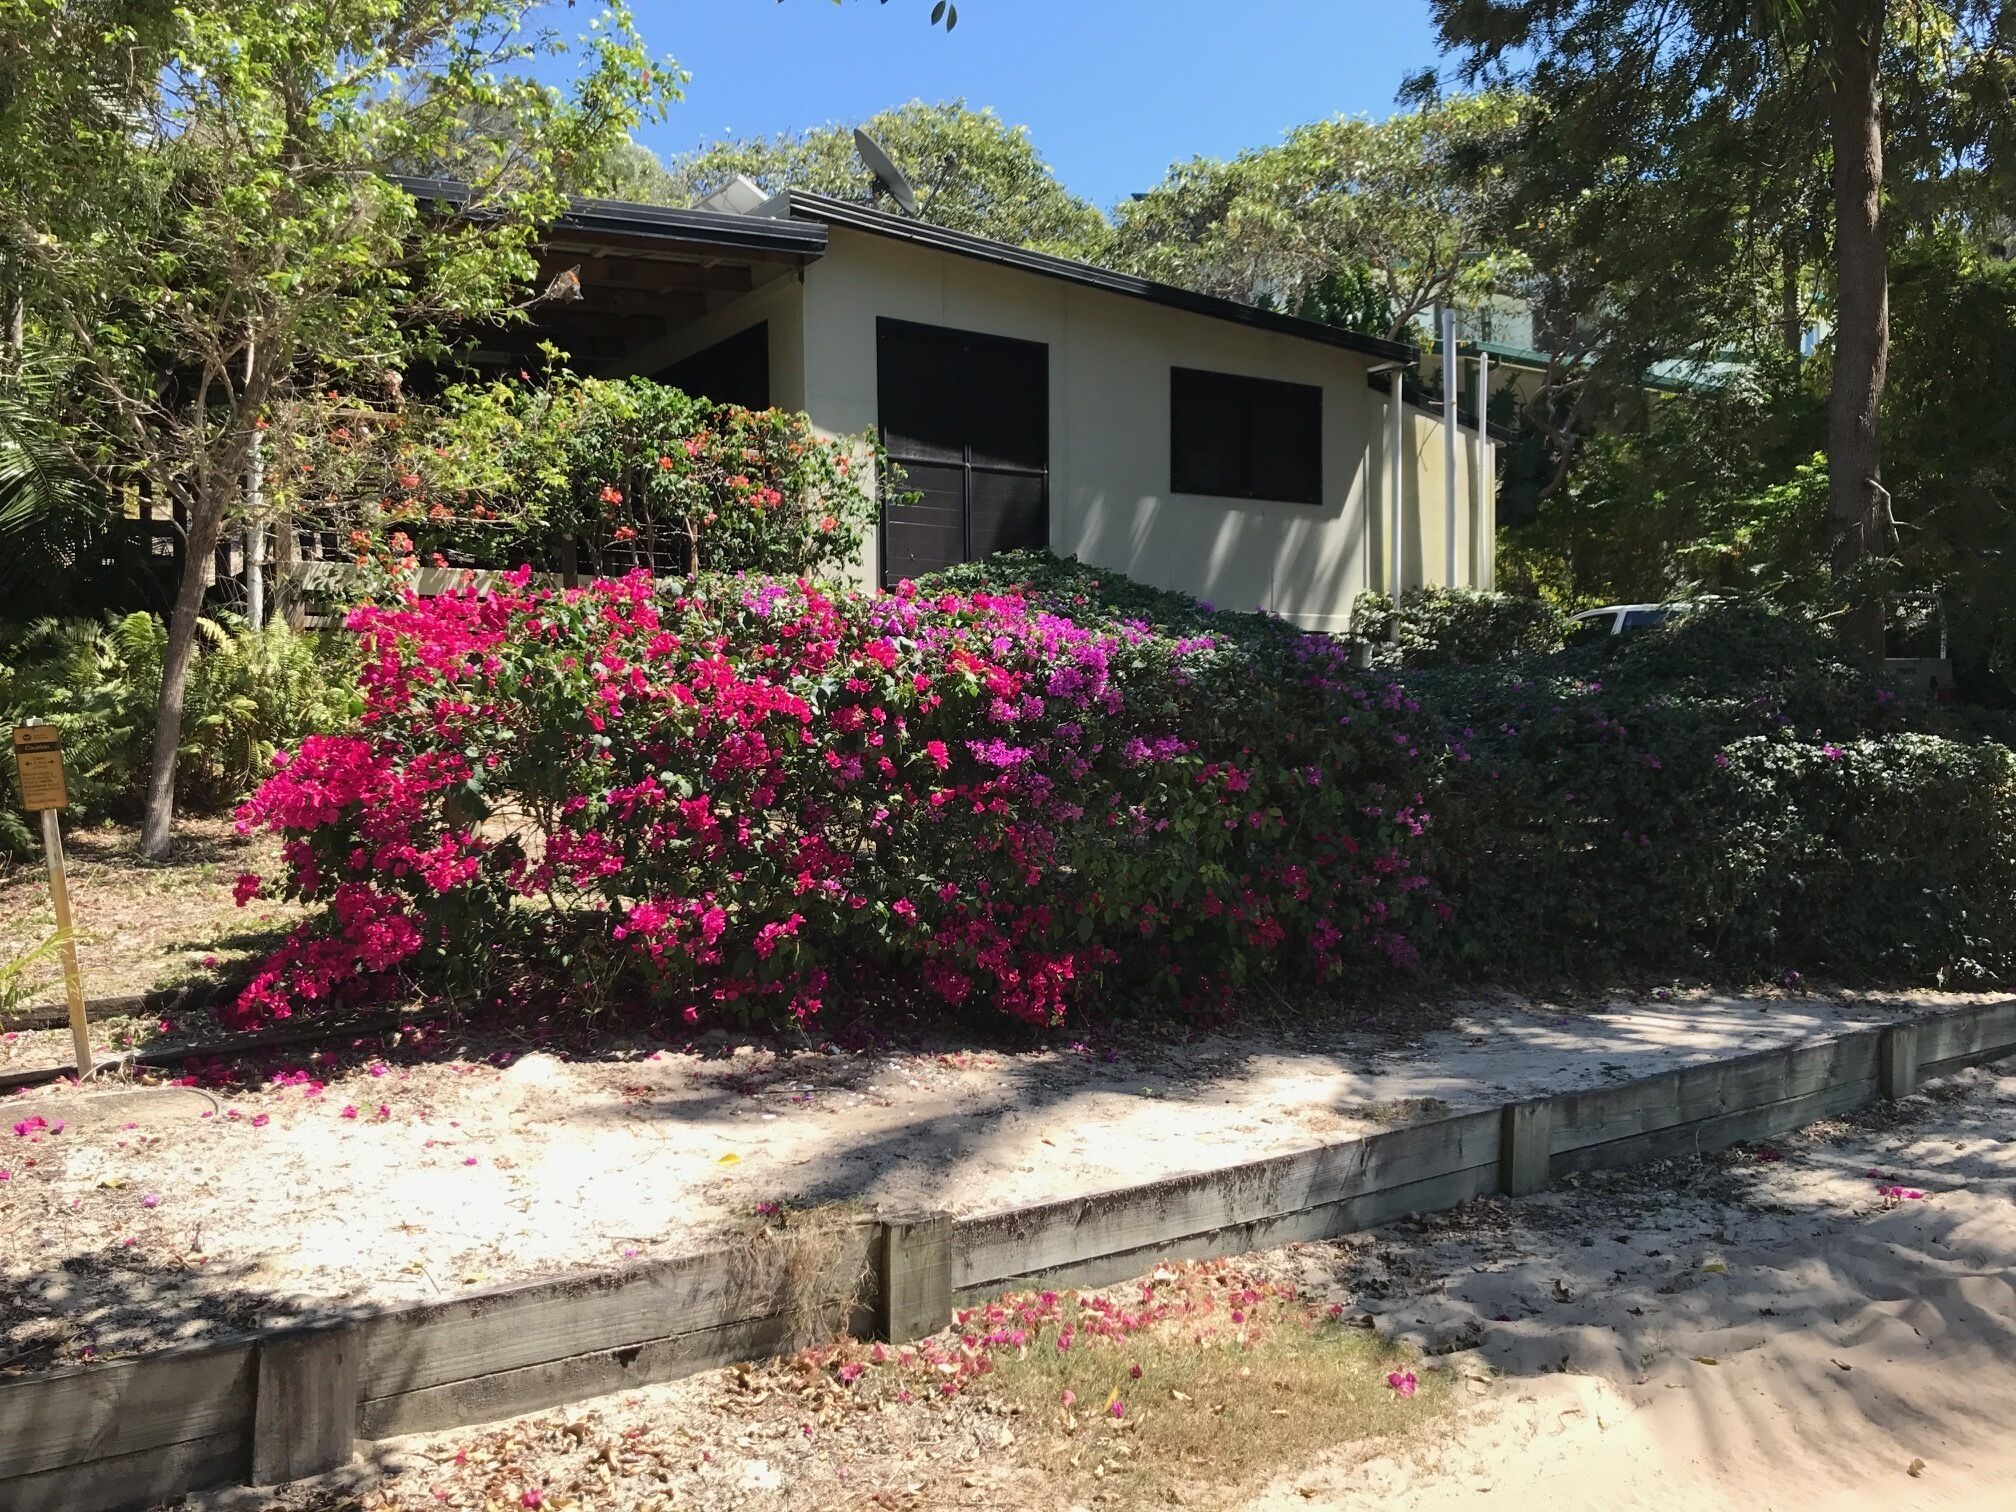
477, 1176
1850, 1337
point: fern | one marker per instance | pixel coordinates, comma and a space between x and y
249, 693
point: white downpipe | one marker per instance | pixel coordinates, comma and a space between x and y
1396, 535
1481, 543
255, 535
1449, 423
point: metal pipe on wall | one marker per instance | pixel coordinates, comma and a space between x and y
1398, 531
1449, 421
1480, 521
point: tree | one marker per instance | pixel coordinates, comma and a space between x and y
973, 172
1414, 199
199, 226
1651, 115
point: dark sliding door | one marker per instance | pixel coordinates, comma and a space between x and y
967, 417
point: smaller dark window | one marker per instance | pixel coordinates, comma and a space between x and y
1245, 438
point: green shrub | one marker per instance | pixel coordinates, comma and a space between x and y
249, 693
1457, 627
1719, 796
628, 470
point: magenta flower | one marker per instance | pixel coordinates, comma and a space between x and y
1403, 1382
150, 1201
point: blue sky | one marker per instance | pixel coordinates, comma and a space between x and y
1112, 91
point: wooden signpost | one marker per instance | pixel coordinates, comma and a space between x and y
38, 762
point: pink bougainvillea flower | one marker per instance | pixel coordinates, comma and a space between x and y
1117, 1407
533, 1498
1403, 1382
1070, 1398
469, 1160
349, 1110
850, 1372
260, 1120
1134, 1371
151, 1200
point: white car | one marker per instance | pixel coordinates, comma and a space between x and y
1618, 619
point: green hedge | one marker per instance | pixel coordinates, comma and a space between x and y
1450, 627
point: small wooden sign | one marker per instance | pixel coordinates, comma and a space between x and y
38, 760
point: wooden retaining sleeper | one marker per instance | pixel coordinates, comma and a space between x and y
290, 1403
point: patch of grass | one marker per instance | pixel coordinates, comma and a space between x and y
1177, 1390
1405, 1110
1207, 1414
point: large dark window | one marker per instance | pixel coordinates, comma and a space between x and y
1245, 438
967, 417
735, 370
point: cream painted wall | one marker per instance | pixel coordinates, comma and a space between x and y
1110, 357
1424, 507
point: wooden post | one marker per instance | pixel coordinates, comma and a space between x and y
1525, 1147
304, 1420
1897, 1061
38, 763
66, 936
915, 1295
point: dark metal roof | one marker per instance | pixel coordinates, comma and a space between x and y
712, 228
801, 231
818, 208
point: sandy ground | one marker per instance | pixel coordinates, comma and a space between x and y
1761, 1330
169, 1215
141, 925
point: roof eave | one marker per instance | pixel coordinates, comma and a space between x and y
804, 205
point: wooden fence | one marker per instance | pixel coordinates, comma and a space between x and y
289, 1403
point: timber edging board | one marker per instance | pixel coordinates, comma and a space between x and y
130, 1433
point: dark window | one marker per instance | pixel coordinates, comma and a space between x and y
1245, 438
967, 417
735, 370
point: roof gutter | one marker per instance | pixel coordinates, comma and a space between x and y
801, 205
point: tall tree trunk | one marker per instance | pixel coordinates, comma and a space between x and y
1855, 500
206, 527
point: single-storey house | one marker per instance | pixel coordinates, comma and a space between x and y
1241, 455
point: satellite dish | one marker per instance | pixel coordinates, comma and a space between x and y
887, 175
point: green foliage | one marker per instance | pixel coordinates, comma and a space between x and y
628, 468
1951, 452
973, 172
1442, 627
1717, 797
203, 224
250, 692
1410, 201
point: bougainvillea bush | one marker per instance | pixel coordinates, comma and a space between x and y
743, 797
1722, 797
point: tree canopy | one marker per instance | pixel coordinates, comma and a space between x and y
199, 224
1414, 201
